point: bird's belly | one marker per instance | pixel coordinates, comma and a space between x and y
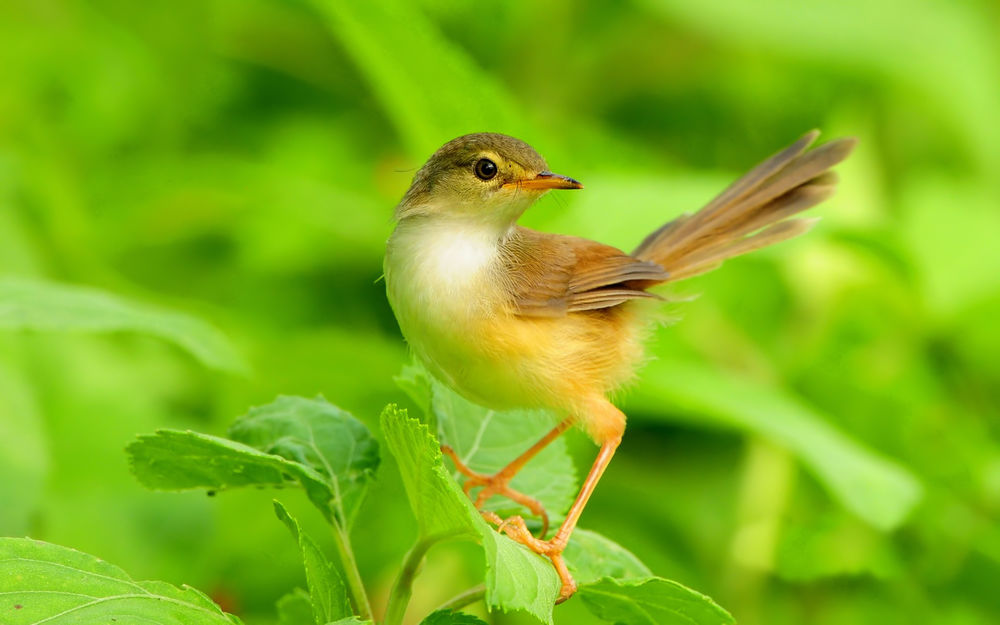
504, 361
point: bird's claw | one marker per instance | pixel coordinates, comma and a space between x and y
515, 528
496, 484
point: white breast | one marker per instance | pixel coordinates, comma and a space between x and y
454, 258
441, 279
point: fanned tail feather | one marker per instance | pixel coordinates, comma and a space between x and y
751, 213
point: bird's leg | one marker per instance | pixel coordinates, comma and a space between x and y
497, 484
605, 424
553, 548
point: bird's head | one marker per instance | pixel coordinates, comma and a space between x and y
484, 177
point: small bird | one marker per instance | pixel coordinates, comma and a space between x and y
514, 318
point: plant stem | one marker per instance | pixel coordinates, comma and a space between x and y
402, 590
465, 598
355, 586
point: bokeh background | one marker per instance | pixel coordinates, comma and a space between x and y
238, 160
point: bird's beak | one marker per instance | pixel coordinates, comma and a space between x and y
545, 180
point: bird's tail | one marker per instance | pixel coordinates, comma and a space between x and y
752, 213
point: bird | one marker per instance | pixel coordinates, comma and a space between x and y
510, 317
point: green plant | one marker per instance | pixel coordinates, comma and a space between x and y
334, 457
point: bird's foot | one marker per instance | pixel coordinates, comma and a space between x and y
515, 528
496, 484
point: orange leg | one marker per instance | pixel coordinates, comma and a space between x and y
497, 484
553, 548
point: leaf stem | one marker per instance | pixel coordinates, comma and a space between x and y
402, 589
355, 586
464, 598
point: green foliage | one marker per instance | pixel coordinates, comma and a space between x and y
402, 57
652, 602
449, 617
591, 557
296, 608
486, 440
876, 489
319, 435
24, 458
327, 594
41, 582
516, 579
329, 446
41, 306
308, 441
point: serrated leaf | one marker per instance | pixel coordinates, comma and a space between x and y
651, 601
44, 582
178, 460
295, 608
416, 381
450, 617
37, 305
332, 460
487, 440
516, 578
591, 557
327, 593
319, 435
876, 489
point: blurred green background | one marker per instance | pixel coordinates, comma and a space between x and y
238, 160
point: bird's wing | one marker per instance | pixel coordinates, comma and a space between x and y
554, 275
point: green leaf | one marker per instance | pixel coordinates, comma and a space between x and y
876, 489
429, 88
295, 608
651, 601
37, 305
516, 578
317, 434
45, 582
450, 617
418, 383
327, 593
487, 440
176, 460
591, 556
332, 461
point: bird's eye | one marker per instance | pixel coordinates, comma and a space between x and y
485, 169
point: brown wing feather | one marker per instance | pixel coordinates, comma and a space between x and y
553, 275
